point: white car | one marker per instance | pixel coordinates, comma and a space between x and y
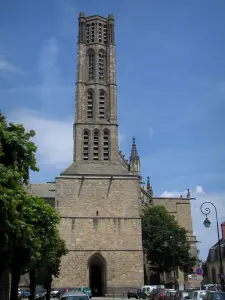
197, 295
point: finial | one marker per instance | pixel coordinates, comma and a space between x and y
134, 153
148, 184
82, 15
149, 188
188, 194
111, 17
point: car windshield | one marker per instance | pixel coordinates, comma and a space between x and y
74, 297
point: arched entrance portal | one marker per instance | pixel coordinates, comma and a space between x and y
97, 275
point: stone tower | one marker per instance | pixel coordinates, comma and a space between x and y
98, 195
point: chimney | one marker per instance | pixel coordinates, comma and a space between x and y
223, 230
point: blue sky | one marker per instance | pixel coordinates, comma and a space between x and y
171, 86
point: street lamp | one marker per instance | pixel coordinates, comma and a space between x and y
207, 223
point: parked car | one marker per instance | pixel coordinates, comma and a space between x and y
40, 293
55, 293
148, 288
197, 295
170, 294
214, 295
74, 296
26, 294
137, 294
158, 294
182, 295
20, 294
87, 291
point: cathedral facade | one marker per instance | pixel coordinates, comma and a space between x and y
99, 196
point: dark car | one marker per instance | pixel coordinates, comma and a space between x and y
136, 293
211, 295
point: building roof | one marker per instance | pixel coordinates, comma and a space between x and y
213, 253
44, 190
97, 168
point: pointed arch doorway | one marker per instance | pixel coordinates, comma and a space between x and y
97, 275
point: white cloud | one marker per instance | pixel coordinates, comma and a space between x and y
54, 138
151, 131
122, 139
206, 236
7, 67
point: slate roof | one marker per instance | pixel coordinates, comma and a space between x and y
97, 168
44, 190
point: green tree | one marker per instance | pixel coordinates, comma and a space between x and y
49, 265
17, 157
165, 243
27, 224
42, 219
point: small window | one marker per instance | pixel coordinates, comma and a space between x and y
102, 105
86, 145
96, 145
106, 145
90, 105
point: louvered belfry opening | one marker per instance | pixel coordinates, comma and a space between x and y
90, 105
102, 105
96, 145
86, 145
106, 145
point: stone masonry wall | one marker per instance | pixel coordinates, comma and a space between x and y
100, 215
101, 233
124, 269
111, 198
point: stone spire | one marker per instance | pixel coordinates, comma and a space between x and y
149, 187
134, 154
134, 159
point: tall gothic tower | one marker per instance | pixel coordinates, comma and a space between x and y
98, 195
96, 128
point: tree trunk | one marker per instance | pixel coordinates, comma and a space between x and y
15, 273
49, 286
32, 284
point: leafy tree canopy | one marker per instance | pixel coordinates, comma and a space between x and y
164, 240
17, 157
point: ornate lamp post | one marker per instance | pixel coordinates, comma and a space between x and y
207, 223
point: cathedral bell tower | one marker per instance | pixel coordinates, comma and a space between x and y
96, 128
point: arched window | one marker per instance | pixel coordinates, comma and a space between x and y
86, 145
90, 100
106, 145
102, 104
96, 145
101, 65
91, 64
